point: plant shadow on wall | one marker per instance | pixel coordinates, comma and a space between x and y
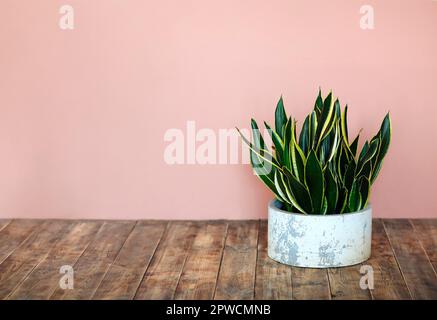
321, 217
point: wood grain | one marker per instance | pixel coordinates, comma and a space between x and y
4, 223
96, 260
236, 279
201, 260
125, 274
310, 284
13, 234
162, 276
17, 266
426, 231
199, 277
44, 279
345, 284
415, 266
273, 279
389, 283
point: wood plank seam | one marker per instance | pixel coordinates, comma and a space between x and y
21, 243
329, 284
164, 234
396, 258
183, 267
115, 258
237, 271
198, 263
8, 223
78, 257
35, 266
421, 245
153, 254
82, 253
25, 277
221, 260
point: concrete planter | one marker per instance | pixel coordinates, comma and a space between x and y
317, 241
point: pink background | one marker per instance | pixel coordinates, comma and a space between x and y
84, 112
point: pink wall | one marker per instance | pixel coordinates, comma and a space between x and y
83, 112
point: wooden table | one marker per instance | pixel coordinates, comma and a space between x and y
201, 260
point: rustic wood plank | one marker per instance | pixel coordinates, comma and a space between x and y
199, 277
125, 274
28, 255
44, 279
273, 279
344, 283
96, 260
13, 234
236, 279
389, 283
426, 232
413, 262
310, 284
4, 223
164, 271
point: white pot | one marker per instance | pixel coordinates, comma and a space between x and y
319, 241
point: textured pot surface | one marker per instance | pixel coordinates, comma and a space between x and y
319, 241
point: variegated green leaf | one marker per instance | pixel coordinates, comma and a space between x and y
277, 141
299, 191
354, 202
280, 118
370, 153
342, 200
314, 181
287, 141
258, 140
264, 155
297, 157
280, 187
354, 145
364, 191
349, 175
331, 191
385, 138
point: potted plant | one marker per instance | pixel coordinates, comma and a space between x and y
321, 216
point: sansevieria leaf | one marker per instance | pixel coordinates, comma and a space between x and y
264, 155
331, 190
354, 145
325, 118
282, 182
280, 118
287, 142
258, 140
354, 198
314, 181
371, 151
304, 138
385, 138
299, 191
364, 191
297, 156
277, 141
280, 187
350, 174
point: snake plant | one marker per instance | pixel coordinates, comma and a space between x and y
320, 171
